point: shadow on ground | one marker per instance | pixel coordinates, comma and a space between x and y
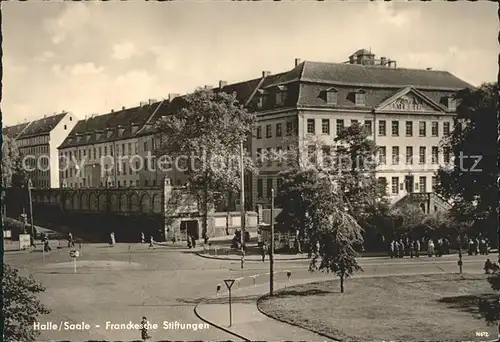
473, 304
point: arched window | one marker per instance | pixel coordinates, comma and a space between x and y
145, 204
124, 207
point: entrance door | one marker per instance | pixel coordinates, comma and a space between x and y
409, 183
192, 228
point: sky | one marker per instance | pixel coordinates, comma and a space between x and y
89, 58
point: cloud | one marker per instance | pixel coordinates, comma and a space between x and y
44, 56
71, 19
124, 50
81, 69
385, 12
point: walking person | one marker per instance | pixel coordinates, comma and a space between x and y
392, 249
151, 243
470, 251
401, 248
144, 329
417, 248
430, 248
263, 250
71, 242
143, 238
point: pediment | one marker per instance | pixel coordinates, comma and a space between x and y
409, 100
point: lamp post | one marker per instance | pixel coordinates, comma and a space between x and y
31, 208
242, 204
460, 263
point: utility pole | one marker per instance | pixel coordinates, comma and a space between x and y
242, 204
31, 209
271, 252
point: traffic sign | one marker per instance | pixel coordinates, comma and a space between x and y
229, 283
74, 254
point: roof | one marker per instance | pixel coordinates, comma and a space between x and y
41, 126
93, 130
14, 131
371, 76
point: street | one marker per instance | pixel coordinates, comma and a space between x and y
123, 283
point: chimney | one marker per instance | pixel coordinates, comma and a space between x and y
151, 101
222, 84
428, 69
383, 61
112, 110
123, 107
297, 61
265, 73
172, 96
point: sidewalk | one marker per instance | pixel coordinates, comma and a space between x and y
248, 323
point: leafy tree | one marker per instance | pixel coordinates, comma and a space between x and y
490, 309
470, 182
13, 174
407, 217
21, 307
205, 130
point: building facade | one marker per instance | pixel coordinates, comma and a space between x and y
38, 141
104, 150
407, 113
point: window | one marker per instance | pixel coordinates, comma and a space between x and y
269, 187
260, 157
435, 155
70, 118
382, 155
354, 122
325, 126
446, 155
421, 129
446, 129
289, 127
395, 155
331, 96
409, 128
260, 188
409, 155
145, 182
422, 182
125, 169
368, 127
137, 182
269, 131
65, 127
435, 128
259, 132
95, 153
123, 149
310, 126
395, 128
452, 103
360, 98
434, 183
269, 156
395, 185
279, 183
382, 183
278, 130
279, 155
145, 146
131, 183
311, 153
326, 156
382, 128
340, 126
421, 155
280, 96
129, 148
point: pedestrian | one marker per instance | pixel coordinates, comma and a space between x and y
476, 245
46, 246
430, 248
205, 238
189, 241
70, 240
151, 242
392, 249
401, 248
417, 248
193, 241
142, 237
411, 247
470, 250
111, 239
439, 247
487, 246
32, 241
263, 250
144, 329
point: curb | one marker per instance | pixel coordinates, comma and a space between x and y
202, 255
218, 326
292, 324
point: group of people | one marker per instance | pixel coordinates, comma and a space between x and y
479, 245
398, 248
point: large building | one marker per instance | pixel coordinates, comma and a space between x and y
112, 150
406, 111
38, 141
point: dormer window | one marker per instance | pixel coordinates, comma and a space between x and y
451, 103
121, 129
331, 96
281, 92
261, 97
359, 98
134, 128
109, 132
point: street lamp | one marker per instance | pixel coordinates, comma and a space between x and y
271, 251
31, 208
460, 263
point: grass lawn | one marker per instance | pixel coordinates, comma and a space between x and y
406, 308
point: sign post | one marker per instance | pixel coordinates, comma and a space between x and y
229, 283
74, 255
